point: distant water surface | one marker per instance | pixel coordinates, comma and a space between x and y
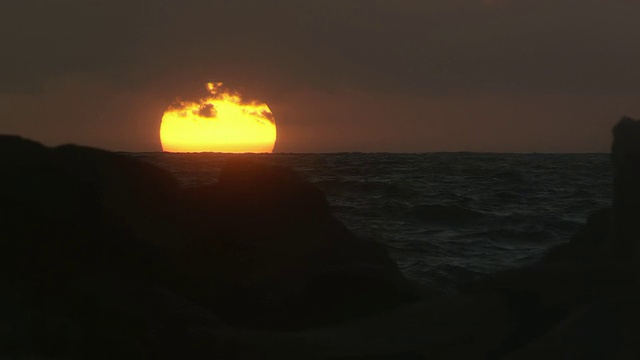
447, 218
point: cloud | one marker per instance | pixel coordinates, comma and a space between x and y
267, 115
207, 111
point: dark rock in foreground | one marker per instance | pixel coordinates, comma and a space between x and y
102, 245
274, 236
582, 299
105, 257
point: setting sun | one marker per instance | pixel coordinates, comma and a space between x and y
221, 122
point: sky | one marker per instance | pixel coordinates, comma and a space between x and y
338, 75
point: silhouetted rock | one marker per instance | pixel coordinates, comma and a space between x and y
625, 154
543, 294
75, 246
583, 295
275, 239
117, 253
102, 256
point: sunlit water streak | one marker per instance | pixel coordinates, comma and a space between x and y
447, 218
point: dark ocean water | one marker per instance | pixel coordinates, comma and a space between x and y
447, 218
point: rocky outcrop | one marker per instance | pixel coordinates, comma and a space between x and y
604, 324
625, 153
116, 256
582, 297
98, 251
116, 248
273, 234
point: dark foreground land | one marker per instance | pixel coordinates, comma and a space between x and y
106, 257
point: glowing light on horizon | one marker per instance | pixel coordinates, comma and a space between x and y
221, 122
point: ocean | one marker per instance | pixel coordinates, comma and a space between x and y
447, 218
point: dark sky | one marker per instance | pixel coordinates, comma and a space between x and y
339, 75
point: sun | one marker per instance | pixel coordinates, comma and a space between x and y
221, 122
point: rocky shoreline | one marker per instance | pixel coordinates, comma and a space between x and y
104, 256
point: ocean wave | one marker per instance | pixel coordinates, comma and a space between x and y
444, 214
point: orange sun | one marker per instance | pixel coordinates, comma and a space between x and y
221, 122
